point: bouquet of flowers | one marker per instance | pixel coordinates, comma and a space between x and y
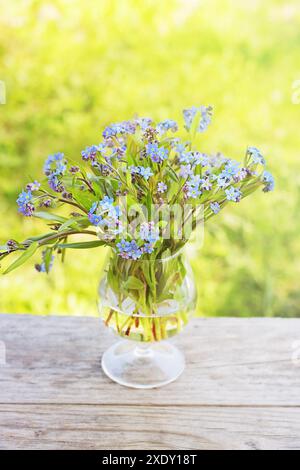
118, 196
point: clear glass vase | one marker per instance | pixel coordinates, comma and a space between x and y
146, 302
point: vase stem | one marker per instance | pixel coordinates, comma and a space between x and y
143, 365
143, 350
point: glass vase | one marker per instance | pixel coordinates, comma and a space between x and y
145, 303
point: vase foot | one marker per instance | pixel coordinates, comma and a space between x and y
146, 365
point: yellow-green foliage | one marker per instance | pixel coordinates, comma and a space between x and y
71, 67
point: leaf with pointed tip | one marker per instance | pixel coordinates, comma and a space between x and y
38, 238
23, 258
172, 174
47, 259
81, 221
50, 216
83, 198
133, 283
83, 245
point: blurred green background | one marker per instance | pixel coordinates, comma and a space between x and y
71, 67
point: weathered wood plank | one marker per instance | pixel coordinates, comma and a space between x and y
240, 389
229, 362
144, 427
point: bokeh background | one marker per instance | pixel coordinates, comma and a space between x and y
72, 66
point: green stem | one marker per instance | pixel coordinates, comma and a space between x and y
88, 184
65, 201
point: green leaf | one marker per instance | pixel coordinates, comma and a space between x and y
75, 221
83, 245
23, 258
50, 216
146, 269
172, 174
3, 255
131, 201
133, 283
162, 224
47, 259
149, 204
173, 190
130, 185
112, 281
133, 145
38, 238
83, 198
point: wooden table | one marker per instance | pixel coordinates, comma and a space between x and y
240, 390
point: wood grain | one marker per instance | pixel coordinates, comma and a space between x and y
147, 427
240, 389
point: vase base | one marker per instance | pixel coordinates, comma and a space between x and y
146, 365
